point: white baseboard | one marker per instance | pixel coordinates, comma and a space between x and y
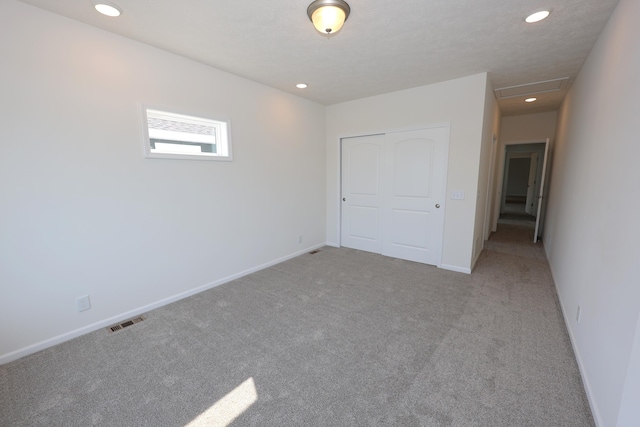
585, 380
333, 244
455, 268
34, 348
475, 260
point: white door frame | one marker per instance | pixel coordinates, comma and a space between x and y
490, 179
542, 192
500, 177
532, 182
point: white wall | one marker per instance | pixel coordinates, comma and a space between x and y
528, 127
461, 103
518, 176
593, 232
490, 132
84, 213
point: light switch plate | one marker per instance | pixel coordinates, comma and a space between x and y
457, 195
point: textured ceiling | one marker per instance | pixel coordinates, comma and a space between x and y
385, 45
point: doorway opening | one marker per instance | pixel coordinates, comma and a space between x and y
521, 192
522, 176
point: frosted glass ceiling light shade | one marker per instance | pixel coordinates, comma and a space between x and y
328, 16
108, 9
537, 17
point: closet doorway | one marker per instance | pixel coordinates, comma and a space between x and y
393, 193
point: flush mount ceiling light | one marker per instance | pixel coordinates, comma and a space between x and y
530, 99
536, 17
108, 9
301, 85
328, 16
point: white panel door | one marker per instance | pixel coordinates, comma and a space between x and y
531, 185
414, 194
542, 193
361, 193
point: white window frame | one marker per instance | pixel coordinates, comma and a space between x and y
222, 128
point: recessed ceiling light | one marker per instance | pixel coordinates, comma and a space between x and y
301, 85
108, 9
538, 16
530, 99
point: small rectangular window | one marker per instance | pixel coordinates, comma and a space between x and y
178, 136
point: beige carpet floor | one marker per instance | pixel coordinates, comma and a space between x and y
338, 338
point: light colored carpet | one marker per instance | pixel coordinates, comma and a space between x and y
515, 208
339, 338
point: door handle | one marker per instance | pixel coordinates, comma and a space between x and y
437, 205
344, 199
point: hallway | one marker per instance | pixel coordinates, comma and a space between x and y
514, 277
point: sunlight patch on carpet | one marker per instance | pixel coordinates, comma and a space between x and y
226, 410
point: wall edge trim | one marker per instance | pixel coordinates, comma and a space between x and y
585, 380
67, 336
455, 268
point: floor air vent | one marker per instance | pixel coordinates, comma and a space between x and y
126, 323
314, 252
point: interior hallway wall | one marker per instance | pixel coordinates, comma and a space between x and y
592, 231
528, 127
518, 177
490, 135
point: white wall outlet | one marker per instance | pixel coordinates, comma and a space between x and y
457, 195
578, 313
300, 238
83, 303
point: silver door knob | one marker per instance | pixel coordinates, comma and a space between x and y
437, 205
344, 199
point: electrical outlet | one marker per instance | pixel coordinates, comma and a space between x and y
300, 238
83, 303
578, 313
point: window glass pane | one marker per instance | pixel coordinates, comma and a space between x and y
173, 135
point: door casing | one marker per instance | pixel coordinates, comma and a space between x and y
499, 188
